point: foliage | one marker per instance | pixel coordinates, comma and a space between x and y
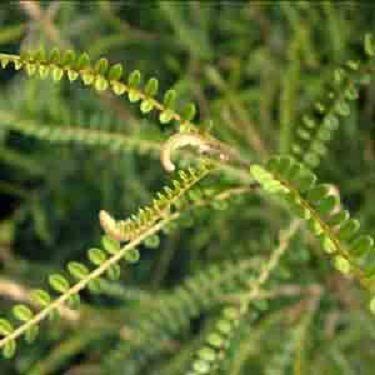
222, 271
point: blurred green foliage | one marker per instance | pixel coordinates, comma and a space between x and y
253, 69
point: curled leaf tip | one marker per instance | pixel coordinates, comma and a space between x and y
109, 225
180, 140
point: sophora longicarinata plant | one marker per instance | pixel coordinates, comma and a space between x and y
288, 177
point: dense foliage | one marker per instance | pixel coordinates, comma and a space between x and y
187, 187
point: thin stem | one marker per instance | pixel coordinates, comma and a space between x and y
284, 240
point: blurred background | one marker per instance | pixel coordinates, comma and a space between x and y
253, 68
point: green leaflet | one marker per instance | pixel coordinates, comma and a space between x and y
41, 298
77, 270
152, 242
22, 313
59, 283
152, 87
6, 327
110, 245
